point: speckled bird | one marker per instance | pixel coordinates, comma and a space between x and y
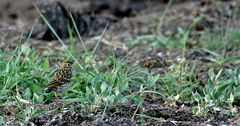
62, 79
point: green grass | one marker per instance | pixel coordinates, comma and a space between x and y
22, 79
24, 75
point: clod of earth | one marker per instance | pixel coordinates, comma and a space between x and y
59, 18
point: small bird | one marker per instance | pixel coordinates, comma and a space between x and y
62, 79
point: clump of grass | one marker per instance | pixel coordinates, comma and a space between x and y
229, 39
222, 89
23, 74
23, 68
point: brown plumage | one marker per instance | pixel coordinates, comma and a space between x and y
62, 78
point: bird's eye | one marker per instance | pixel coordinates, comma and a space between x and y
69, 65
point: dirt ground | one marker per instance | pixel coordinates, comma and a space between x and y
130, 20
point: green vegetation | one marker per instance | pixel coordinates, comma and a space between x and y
100, 84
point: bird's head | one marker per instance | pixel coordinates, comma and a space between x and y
68, 64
